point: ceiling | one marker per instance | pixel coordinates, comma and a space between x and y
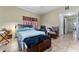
38, 9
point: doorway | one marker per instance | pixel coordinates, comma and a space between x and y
70, 24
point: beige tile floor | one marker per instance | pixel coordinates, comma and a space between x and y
65, 43
11, 47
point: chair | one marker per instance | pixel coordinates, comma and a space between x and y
5, 36
43, 28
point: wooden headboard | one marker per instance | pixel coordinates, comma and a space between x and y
30, 21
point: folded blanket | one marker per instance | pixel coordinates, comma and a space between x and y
31, 41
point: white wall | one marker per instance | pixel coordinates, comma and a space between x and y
13, 15
52, 18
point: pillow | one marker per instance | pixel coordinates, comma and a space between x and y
25, 29
23, 26
30, 26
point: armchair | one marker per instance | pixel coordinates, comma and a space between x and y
43, 28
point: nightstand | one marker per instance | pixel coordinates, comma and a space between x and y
52, 35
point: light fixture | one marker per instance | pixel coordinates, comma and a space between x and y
69, 14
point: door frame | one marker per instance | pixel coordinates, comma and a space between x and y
62, 22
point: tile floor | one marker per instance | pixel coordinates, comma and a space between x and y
10, 47
65, 43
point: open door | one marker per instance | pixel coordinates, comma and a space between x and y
61, 25
77, 26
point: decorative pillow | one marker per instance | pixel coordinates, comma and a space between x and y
23, 26
25, 29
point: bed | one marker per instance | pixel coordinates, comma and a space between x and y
28, 38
